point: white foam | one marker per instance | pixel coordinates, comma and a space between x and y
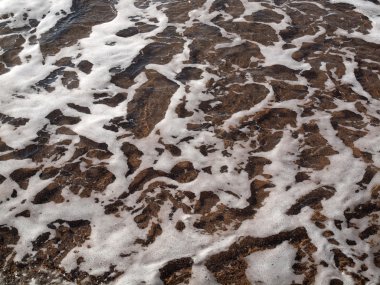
277, 260
113, 235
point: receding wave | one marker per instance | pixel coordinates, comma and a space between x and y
189, 142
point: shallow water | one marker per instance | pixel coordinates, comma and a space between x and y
189, 142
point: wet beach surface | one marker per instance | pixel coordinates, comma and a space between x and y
189, 142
